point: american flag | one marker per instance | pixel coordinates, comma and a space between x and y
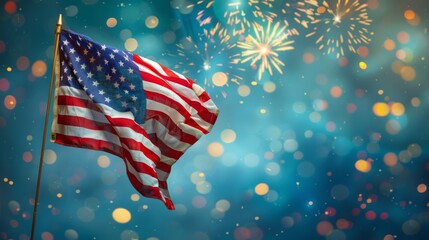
116, 101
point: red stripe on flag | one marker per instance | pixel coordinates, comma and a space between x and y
85, 123
78, 102
109, 147
165, 149
201, 110
173, 129
164, 167
177, 106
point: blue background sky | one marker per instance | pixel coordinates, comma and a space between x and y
331, 148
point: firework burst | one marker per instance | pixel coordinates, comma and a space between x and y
238, 14
298, 14
264, 46
339, 25
205, 58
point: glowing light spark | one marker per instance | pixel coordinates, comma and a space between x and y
264, 46
239, 15
298, 15
339, 25
204, 57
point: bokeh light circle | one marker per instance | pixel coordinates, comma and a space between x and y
111, 22
38, 69
71, 10
4, 84
131, 44
71, 234
10, 102
306, 169
228, 136
340, 192
152, 22
85, 214
380, 109
121, 215
103, 161
272, 169
262, 189
363, 165
215, 149
10, 7
223, 205
22, 63
50, 157
219, 79
243, 90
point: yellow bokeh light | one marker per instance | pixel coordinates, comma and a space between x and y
38, 69
111, 22
219, 79
131, 44
152, 22
363, 65
380, 92
363, 165
9, 69
59, 195
215, 149
380, 109
121, 215
253, 83
262, 111
262, 189
397, 109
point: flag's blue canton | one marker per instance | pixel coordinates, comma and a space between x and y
109, 76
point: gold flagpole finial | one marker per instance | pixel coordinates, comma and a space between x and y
59, 24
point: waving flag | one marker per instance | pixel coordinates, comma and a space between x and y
115, 101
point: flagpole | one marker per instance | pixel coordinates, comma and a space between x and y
48, 107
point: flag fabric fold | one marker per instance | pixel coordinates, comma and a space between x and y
118, 102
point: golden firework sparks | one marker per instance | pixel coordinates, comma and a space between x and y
264, 47
339, 25
240, 15
298, 15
